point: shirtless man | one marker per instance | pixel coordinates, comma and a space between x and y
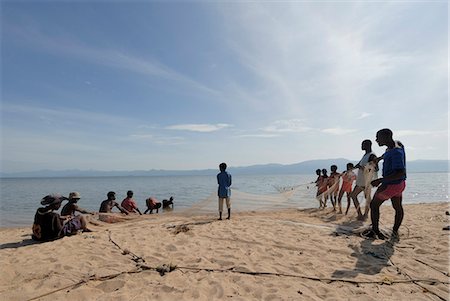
108, 204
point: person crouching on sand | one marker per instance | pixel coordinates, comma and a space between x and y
107, 205
129, 204
224, 190
49, 225
152, 203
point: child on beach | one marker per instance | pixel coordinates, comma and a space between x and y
224, 190
361, 180
333, 184
322, 186
318, 184
348, 177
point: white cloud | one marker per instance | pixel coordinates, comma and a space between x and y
338, 131
364, 115
258, 136
141, 136
286, 126
408, 133
204, 128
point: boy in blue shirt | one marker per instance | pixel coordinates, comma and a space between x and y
224, 190
392, 183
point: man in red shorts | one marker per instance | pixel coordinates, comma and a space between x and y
392, 183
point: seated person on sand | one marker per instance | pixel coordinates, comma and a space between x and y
49, 225
129, 204
108, 204
71, 207
152, 203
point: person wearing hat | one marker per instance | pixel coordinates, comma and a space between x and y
107, 205
129, 204
71, 207
49, 225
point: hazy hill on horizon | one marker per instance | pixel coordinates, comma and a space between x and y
305, 167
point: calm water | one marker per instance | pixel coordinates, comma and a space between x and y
19, 198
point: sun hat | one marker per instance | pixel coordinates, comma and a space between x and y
74, 195
52, 199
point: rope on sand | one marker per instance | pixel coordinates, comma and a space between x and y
166, 268
415, 281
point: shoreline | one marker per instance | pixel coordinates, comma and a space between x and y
287, 254
211, 212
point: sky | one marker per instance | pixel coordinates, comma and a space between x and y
186, 85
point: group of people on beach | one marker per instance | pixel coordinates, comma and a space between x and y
328, 186
49, 225
390, 186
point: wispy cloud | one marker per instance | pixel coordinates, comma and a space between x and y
288, 126
364, 115
60, 115
71, 47
142, 136
258, 136
409, 133
204, 128
338, 131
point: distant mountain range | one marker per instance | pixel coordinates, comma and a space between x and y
306, 167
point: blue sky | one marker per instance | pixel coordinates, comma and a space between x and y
187, 85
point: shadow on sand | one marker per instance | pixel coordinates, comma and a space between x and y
19, 244
372, 256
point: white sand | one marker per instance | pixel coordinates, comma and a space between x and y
300, 255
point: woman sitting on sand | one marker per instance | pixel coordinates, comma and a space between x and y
49, 225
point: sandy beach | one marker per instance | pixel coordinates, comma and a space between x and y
292, 254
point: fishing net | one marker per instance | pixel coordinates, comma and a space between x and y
242, 200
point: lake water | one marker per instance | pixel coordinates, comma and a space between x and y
20, 197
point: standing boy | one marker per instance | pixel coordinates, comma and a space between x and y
224, 190
348, 177
333, 183
392, 183
366, 146
318, 184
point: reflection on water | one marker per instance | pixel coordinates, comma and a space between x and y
19, 198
